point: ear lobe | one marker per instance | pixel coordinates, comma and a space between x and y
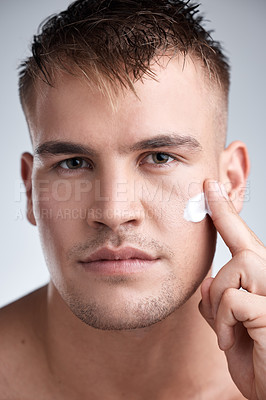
234, 170
26, 172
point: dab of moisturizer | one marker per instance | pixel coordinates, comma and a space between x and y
197, 208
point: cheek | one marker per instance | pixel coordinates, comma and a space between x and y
60, 225
192, 243
166, 199
60, 217
168, 196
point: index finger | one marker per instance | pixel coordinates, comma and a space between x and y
234, 231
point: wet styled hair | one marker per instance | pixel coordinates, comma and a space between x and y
113, 43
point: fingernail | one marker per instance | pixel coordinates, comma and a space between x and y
218, 189
208, 207
223, 191
213, 186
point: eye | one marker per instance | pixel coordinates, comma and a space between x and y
158, 158
74, 163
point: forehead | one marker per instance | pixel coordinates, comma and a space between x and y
178, 100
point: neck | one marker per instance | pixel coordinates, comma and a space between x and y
177, 355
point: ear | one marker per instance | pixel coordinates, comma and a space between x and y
234, 170
26, 172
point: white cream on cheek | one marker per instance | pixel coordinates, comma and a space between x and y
197, 208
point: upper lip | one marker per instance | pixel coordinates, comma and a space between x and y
122, 254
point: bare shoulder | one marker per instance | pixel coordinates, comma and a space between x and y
18, 340
17, 319
237, 396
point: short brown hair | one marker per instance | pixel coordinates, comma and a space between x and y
113, 42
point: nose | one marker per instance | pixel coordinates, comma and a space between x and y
115, 203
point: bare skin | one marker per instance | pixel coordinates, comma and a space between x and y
60, 357
48, 351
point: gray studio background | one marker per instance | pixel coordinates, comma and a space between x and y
239, 24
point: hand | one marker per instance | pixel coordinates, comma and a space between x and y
238, 317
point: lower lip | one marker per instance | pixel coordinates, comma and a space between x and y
119, 267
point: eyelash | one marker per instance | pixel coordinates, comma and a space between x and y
162, 165
73, 158
151, 154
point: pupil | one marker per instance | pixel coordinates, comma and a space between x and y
74, 163
160, 158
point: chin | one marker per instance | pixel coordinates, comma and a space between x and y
126, 313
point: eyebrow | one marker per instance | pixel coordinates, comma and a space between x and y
56, 148
169, 140
164, 140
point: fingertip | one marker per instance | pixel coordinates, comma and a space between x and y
205, 303
205, 287
225, 343
215, 190
209, 185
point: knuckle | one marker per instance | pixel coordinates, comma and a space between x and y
252, 270
245, 257
229, 296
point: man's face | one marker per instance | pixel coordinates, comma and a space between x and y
126, 187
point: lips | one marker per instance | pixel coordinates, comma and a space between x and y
126, 253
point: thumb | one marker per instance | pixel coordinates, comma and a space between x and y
205, 303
